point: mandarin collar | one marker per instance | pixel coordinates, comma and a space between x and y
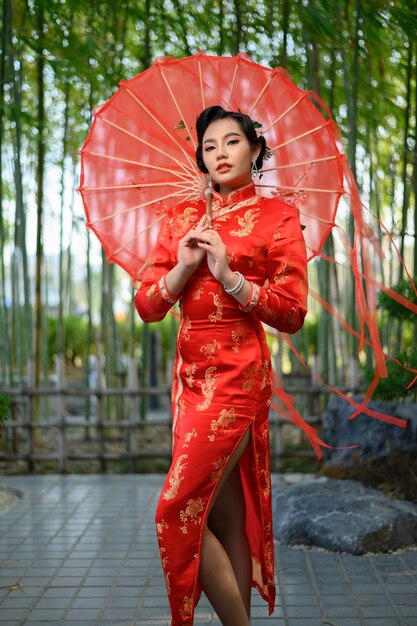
235, 196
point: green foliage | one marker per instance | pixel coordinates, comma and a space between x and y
395, 386
76, 330
394, 308
4, 407
311, 327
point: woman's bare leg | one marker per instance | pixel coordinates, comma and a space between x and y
229, 594
227, 520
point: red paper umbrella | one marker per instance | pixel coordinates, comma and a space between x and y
139, 156
139, 159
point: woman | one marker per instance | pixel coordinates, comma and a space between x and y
214, 521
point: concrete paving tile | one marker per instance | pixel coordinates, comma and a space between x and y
341, 611
343, 621
117, 613
408, 611
93, 592
303, 611
16, 614
296, 621
88, 603
301, 600
82, 614
60, 592
378, 611
126, 602
372, 599
48, 615
381, 621
341, 599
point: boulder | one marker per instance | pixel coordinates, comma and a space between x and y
342, 516
374, 438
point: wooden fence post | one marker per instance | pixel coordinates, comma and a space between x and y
62, 414
133, 384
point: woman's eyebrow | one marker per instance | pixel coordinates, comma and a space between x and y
225, 137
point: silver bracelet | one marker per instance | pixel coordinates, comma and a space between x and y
234, 290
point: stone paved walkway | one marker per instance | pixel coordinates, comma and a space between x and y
81, 551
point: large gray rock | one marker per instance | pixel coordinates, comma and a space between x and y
343, 516
374, 438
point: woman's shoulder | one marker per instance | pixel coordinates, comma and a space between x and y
278, 210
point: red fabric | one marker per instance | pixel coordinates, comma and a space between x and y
222, 379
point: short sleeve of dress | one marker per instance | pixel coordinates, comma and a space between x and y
153, 300
282, 302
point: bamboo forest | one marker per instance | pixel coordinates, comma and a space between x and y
84, 383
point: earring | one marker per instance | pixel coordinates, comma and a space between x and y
254, 170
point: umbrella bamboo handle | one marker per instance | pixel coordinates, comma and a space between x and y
209, 202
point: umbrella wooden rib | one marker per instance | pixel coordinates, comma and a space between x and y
261, 93
166, 170
166, 154
155, 119
279, 118
141, 206
182, 117
341, 190
299, 163
125, 245
308, 132
203, 100
318, 219
233, 85
137, 186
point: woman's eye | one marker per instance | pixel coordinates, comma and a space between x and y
233, 141
209, 148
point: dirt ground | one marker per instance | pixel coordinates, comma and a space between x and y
396, 475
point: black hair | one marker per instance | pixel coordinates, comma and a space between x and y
214, 113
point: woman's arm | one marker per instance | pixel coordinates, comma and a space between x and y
163, 282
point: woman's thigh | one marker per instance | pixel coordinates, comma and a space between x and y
228, 502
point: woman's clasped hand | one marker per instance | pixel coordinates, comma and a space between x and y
201, 241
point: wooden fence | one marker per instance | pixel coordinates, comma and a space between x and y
22, 425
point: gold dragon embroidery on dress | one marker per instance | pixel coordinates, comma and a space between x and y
257, 253
267, 489
282, 274
194, 507
153, 293
256, 375
185, 329
219, 466
227, 416
198, 289
175, 478
181, 410
222, 213
239, 335
185, 612
292, 317
160, 527
188, 437
185, 219
217, 301
210, 349
246, 223
190, 370
207, 388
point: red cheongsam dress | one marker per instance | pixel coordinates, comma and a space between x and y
222, 377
